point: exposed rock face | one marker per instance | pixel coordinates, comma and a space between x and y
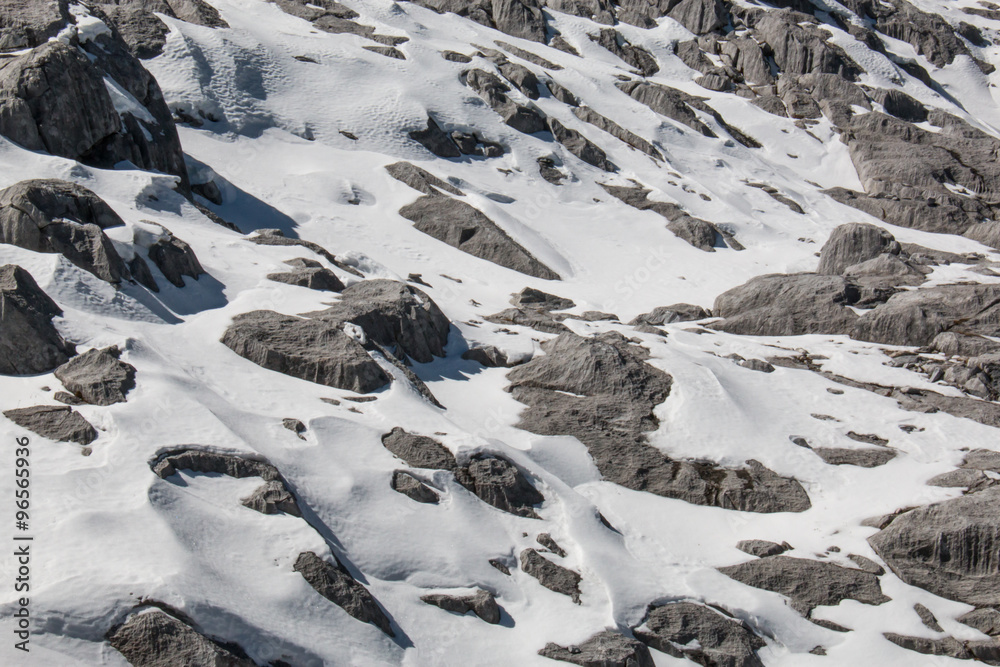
762, 548
436, 140
153, 638
802, 49
310, 274
52, 216
984, 651
554, 577
410, 486
460, 225
336, 584
310, 349
28, 23
588, 115
636, 56
948, 548
530, 297
601, 391
520, 18
608, 649
98, 376
271, 498
498, 482
206, 461
808, 583
482, 604
489, 356
534, 318
599, 11
29, 343
863, 458
678, 312
394, 314
852, 244
580, 146
175, 259
419, 451
145, 33
701, 634
421, 179
55, 422
277, 237
522, 118
788, 305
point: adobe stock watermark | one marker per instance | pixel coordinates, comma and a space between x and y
22, 544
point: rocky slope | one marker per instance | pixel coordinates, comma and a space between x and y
487, 332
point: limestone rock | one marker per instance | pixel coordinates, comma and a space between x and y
762, 548
481, 603
580, 146
421, 179
501, 484
273, 497
554, 577
336, 584
852, 244
701, 634
98, 377
419, 451
175, 259
55, 422
607, 649
153, 638
410, 486
534, 298
588, 115
29, 343
436, 140
522, 118
636, 56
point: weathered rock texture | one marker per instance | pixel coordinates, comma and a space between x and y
701, 634
98, 376
153, 638
500, 483
481, 603
608, 649
336, 584
29, 342
419, 451
554, 577
55, 422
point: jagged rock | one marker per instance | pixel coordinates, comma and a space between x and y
336, 584
278, 238
745, 55
864, 458
98, 376
948, 548
309, 349
294, 425
419, 451
562, 93
436, 140
482, 603
802, 49
580, 146
701, 634
207, 461
678, 312
153, 638
29, 343
691, 55
917, 317
599, 11
53, 216
456, 57
387, 51
900, 105
522, 118
588, 115
421, 179
987, 233
808, 583
607, 649
554, 577
519, 18
854, 243
885, 272
547, 170
533, 318
788, 305
175, 259
986, 620
530, 297
273, 497
867, 565
408, 485
310, 274
471, 144
601, 391
55, 422
490, 356
927, 617
522, 78
28, 23
929, 34
700, 16
529, 56
500, 483
144, 32
987, 652
636, 56
546, 541
758, 365
464, 227
762, 548
394, 314
499, 565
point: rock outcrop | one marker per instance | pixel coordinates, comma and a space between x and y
175, 259
501, 484
55, 422
413, 488
701, 634
98, 377
523, 118
554, 577
335, 583
310, 274
607, 649
419, 451
29, 342
481, 603
153, 638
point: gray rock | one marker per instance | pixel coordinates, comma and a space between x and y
986, 620
987, 233
546, 541
436, 140
394, 314
529, 297
987, 652
520, 18
277, 237
153, 638
745, 55
885, 272
175, 259
854, 243
456, 57
421, 179
207, 461
528, 55
387, 51
927, 617
948, 548
98, 377
419, 451
636, 56
701, 634
273, 497
808, 583
481, 603
606, 649
464, 227
489, 86
867, 565
599, 11
562, 93
336, 584
29, 342
588, 115
29, 23
601, 391
554, 577
295, 426
522, 78
410, 486
309, 349
142, 29
758, 365
55, 422
311, 277
499, 483
801, 49
489, 356
864, 458
700, 16
788, 305
762, 548
580, 146
533, 318
900, 105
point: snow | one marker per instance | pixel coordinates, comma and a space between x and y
109, 532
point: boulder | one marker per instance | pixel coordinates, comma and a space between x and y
762, 548
309, 349
419, 451
788, 305
863, 458
273, 497
393, 314
702, 634
588, 115
481, 603
580, 146
808, 583
421, 179
175, 259
55, 422
854, 243
98, 377
636, 56
464, 227
607, 649
948, 548
501, 484
554, 577
519, 75
29, 342
153, 638
309, 274
436, 140
410, 486
336, 584
489, 356
144, 32
277, 237
546, 541
529, 297
533, 318
522, 118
